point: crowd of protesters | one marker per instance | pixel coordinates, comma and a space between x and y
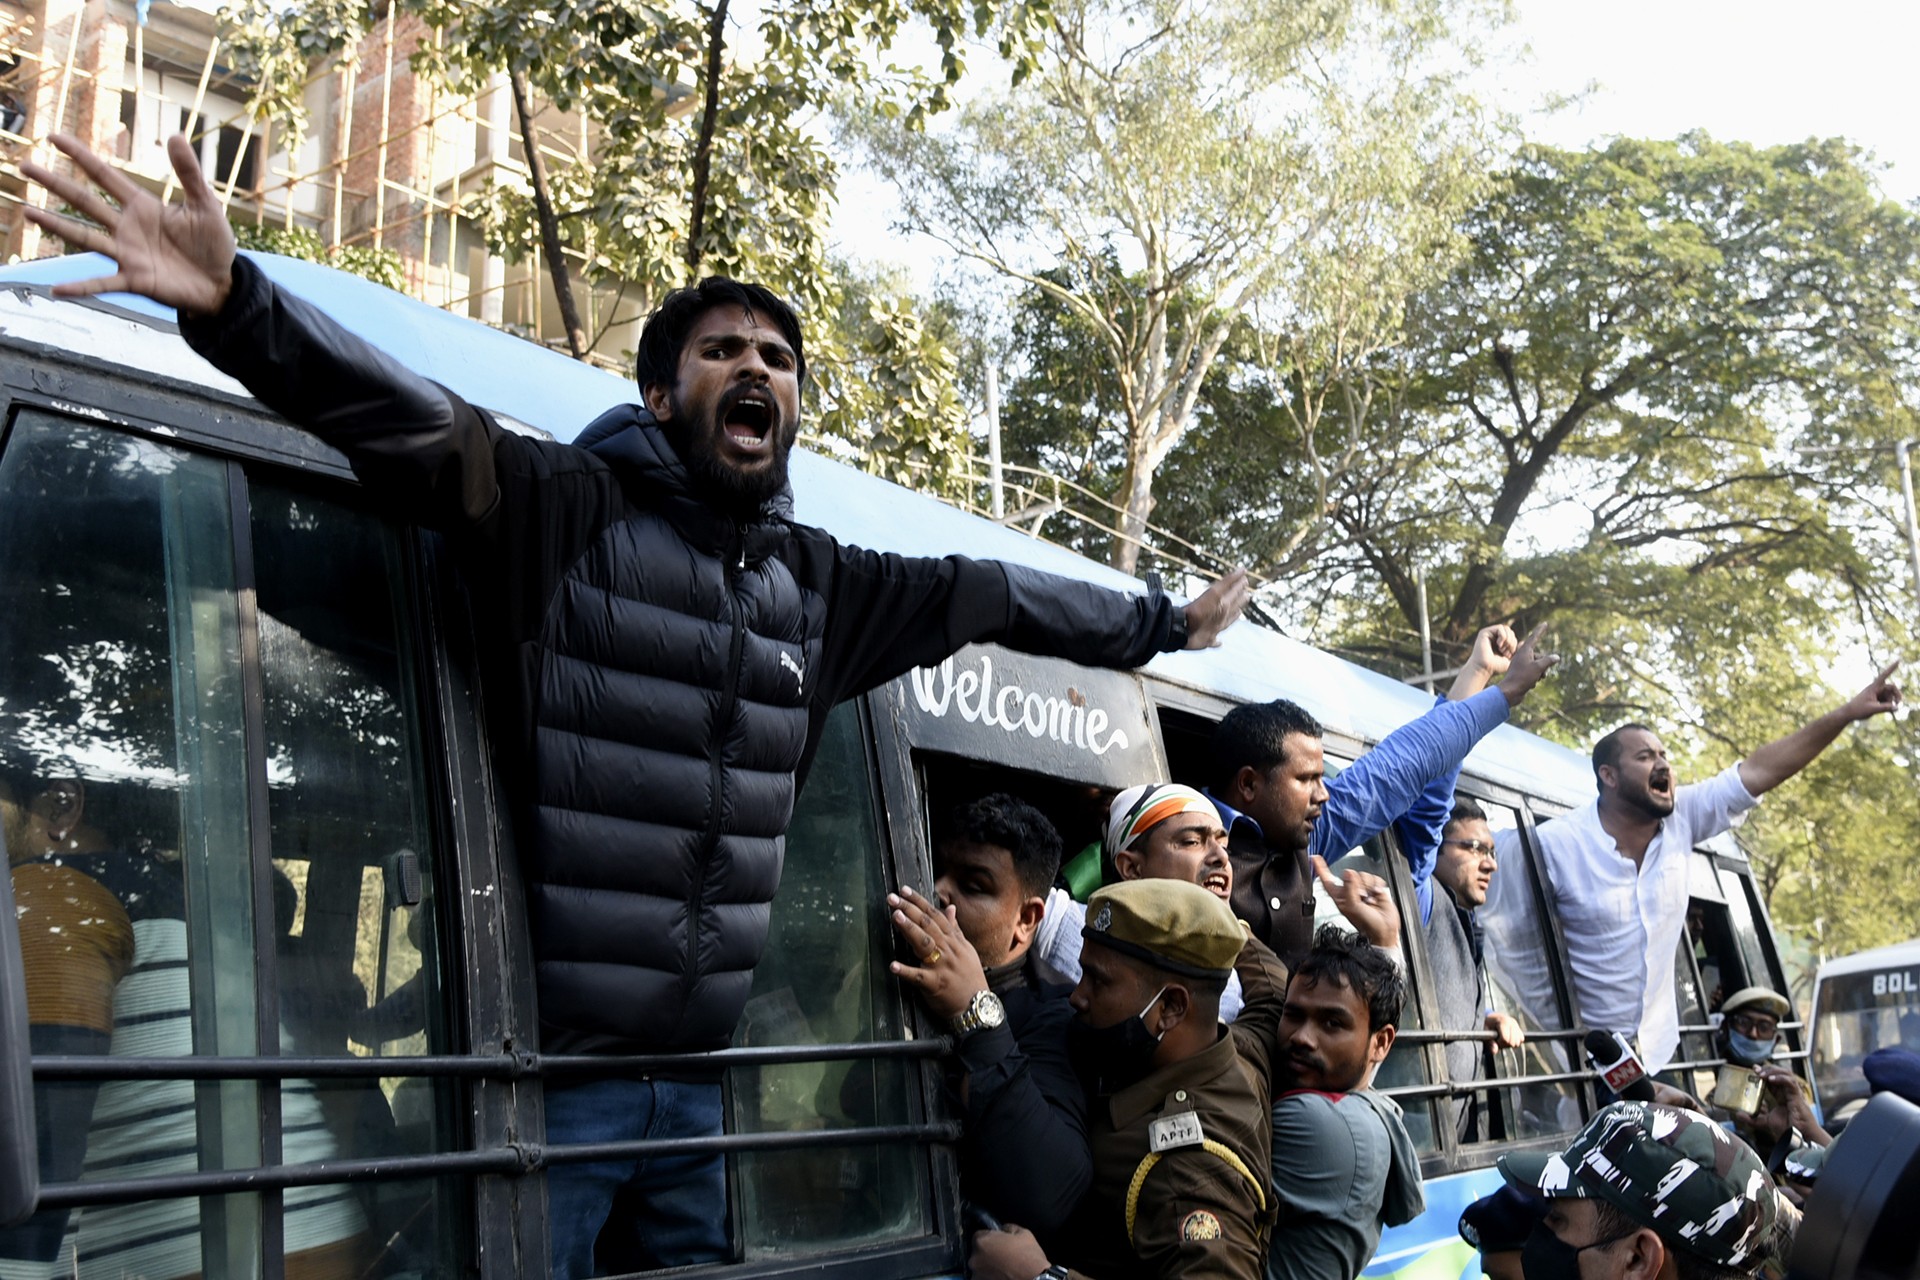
1169, 1078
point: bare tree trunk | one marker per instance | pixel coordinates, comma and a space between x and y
1133, 524
703, 148
549, 221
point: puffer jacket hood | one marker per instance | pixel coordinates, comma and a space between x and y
633, 442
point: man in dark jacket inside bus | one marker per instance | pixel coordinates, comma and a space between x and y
664, 642
1023, 1154
1281, 810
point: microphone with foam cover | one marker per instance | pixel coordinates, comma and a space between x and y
1614, 1059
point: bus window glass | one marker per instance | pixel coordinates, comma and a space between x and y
354, 885
122, 725
1406, 1064
824, 980
1744, 915
1519, 969
1861, 1012
1690, 1000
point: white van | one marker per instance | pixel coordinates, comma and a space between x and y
1862, 1002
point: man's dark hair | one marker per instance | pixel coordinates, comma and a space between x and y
1610, 1222
666, 330
1349, 960
1009, 823
1466, 809
1256, 734
1607, 751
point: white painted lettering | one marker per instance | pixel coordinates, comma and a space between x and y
1069, 721
1009, 720
964, 686
923, 678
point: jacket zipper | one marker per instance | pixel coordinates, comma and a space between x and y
735, 565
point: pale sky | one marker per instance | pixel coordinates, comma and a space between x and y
1759, 71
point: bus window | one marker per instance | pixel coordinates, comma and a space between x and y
1859, 1011
1520, 966
1406, 1064
126, 678
355, 894
1744, 916
824, 980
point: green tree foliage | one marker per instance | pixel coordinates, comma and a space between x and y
382, 266
1648, 406
1170, 165
1619, 403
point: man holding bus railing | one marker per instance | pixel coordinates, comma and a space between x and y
663, 642
1023, 1150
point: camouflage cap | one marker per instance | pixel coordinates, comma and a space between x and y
1171, 924
1675, 1171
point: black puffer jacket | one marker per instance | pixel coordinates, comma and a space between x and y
670, 670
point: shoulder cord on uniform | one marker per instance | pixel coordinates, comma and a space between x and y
1217, 1148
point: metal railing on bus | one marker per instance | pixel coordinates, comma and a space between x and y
511, 1159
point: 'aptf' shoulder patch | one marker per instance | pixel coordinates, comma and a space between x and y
1200, 1225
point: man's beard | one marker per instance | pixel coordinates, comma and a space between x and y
1654, 806
734, 491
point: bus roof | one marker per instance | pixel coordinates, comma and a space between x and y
558, 395
1900, 953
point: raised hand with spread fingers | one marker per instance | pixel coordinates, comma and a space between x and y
180, 255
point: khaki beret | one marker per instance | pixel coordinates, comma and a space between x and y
1757, 997
1171, 924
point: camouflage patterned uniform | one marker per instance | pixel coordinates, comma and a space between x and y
1675, 1171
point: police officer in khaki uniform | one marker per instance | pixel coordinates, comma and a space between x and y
1179, 1123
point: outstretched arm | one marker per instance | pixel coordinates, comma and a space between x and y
1773, 764
1382, 784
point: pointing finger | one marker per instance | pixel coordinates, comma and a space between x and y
1328, 880
1886, 671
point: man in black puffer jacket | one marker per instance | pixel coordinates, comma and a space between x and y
671, 642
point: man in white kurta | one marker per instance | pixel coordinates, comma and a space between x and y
1617, 868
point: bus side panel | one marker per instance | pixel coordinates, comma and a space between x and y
1430, 1247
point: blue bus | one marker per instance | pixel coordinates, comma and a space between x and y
325, 1059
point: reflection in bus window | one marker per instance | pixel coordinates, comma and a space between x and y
125, 754
824, 980
353, 877
1520, 965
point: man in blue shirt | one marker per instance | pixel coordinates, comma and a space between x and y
1448, 840
1281, 810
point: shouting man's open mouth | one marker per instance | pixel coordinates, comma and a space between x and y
749, 421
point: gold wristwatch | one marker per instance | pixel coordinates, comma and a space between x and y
983, 1011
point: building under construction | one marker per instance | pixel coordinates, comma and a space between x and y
389, 160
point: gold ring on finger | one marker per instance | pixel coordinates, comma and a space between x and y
933, 957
